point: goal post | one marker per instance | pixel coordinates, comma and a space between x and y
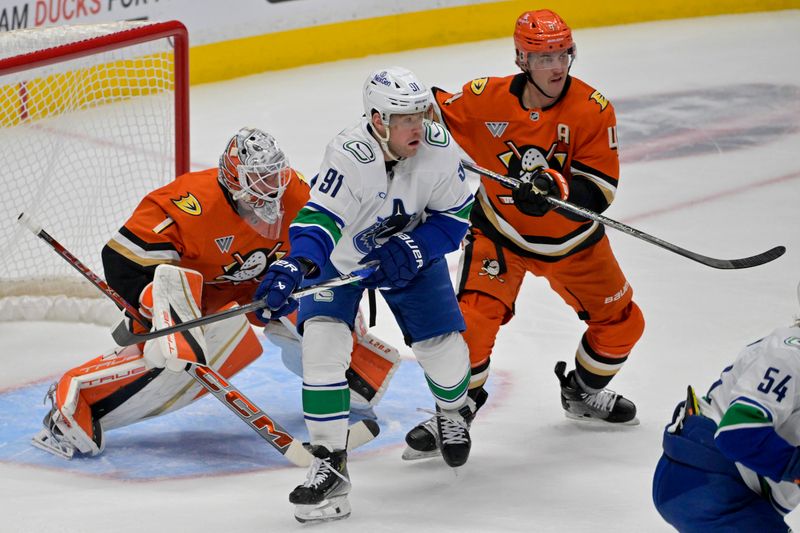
92, 118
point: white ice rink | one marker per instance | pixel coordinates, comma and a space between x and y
709, 126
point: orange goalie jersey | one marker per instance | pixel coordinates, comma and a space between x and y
576, 136
192, 222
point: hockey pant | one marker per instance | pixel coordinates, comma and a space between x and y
698, 490
590, 281
433, 333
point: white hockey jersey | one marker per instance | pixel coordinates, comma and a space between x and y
755, 396
356, 204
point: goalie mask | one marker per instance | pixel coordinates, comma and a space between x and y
256, 172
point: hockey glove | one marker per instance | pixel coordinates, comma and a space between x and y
283, 277
531, 196
401, 258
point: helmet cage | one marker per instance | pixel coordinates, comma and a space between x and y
255, 170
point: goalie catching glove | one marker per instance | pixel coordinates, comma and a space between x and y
531, 196
401, 258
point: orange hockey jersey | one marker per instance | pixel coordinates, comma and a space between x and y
192, 222
576, 136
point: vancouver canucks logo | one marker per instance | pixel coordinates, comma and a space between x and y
384, 228
189, 205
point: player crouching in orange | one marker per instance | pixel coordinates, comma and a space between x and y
198, 245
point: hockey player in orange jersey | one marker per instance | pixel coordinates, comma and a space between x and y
211, 235
538, 125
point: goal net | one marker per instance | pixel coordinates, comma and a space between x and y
91, 119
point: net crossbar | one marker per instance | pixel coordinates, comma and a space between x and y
91, 119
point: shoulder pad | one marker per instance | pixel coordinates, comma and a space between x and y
436, 134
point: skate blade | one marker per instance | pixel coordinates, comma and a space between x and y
410, 454
599, 421
336, 508
45, 441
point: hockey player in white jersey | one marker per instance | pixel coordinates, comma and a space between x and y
731, 459
391, 188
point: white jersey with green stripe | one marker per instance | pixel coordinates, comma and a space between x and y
356, 204
759, 390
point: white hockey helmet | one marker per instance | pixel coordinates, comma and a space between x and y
256, 171
395, 90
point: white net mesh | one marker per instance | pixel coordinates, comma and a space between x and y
81, 142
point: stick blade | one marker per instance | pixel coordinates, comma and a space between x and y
745, 262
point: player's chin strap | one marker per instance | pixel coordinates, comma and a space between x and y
530, 79
384, 142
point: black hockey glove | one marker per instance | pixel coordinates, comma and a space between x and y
534, 202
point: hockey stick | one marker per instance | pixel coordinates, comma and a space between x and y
93, 278
124, 337
726, 264
359, 433
268, 429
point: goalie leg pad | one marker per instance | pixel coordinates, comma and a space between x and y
283, 334
70, 425
373, 362
372, 366
231, 346
177, 293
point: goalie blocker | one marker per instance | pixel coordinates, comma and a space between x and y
129, 384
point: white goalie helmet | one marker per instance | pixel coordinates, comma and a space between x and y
256, 172
395, 90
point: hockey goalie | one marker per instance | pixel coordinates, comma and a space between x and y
196, 246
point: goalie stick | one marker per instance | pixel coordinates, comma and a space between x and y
268, 429
725, 264
125, 337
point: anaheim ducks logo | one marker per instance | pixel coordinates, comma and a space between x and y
189, 205
523, 161
250, 266
601, 100
478, 85
491, 268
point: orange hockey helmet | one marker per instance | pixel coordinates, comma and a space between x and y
538, 32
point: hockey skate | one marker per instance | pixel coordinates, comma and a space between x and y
604, 406
50, 439
424, 440
323, 496
57, 438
